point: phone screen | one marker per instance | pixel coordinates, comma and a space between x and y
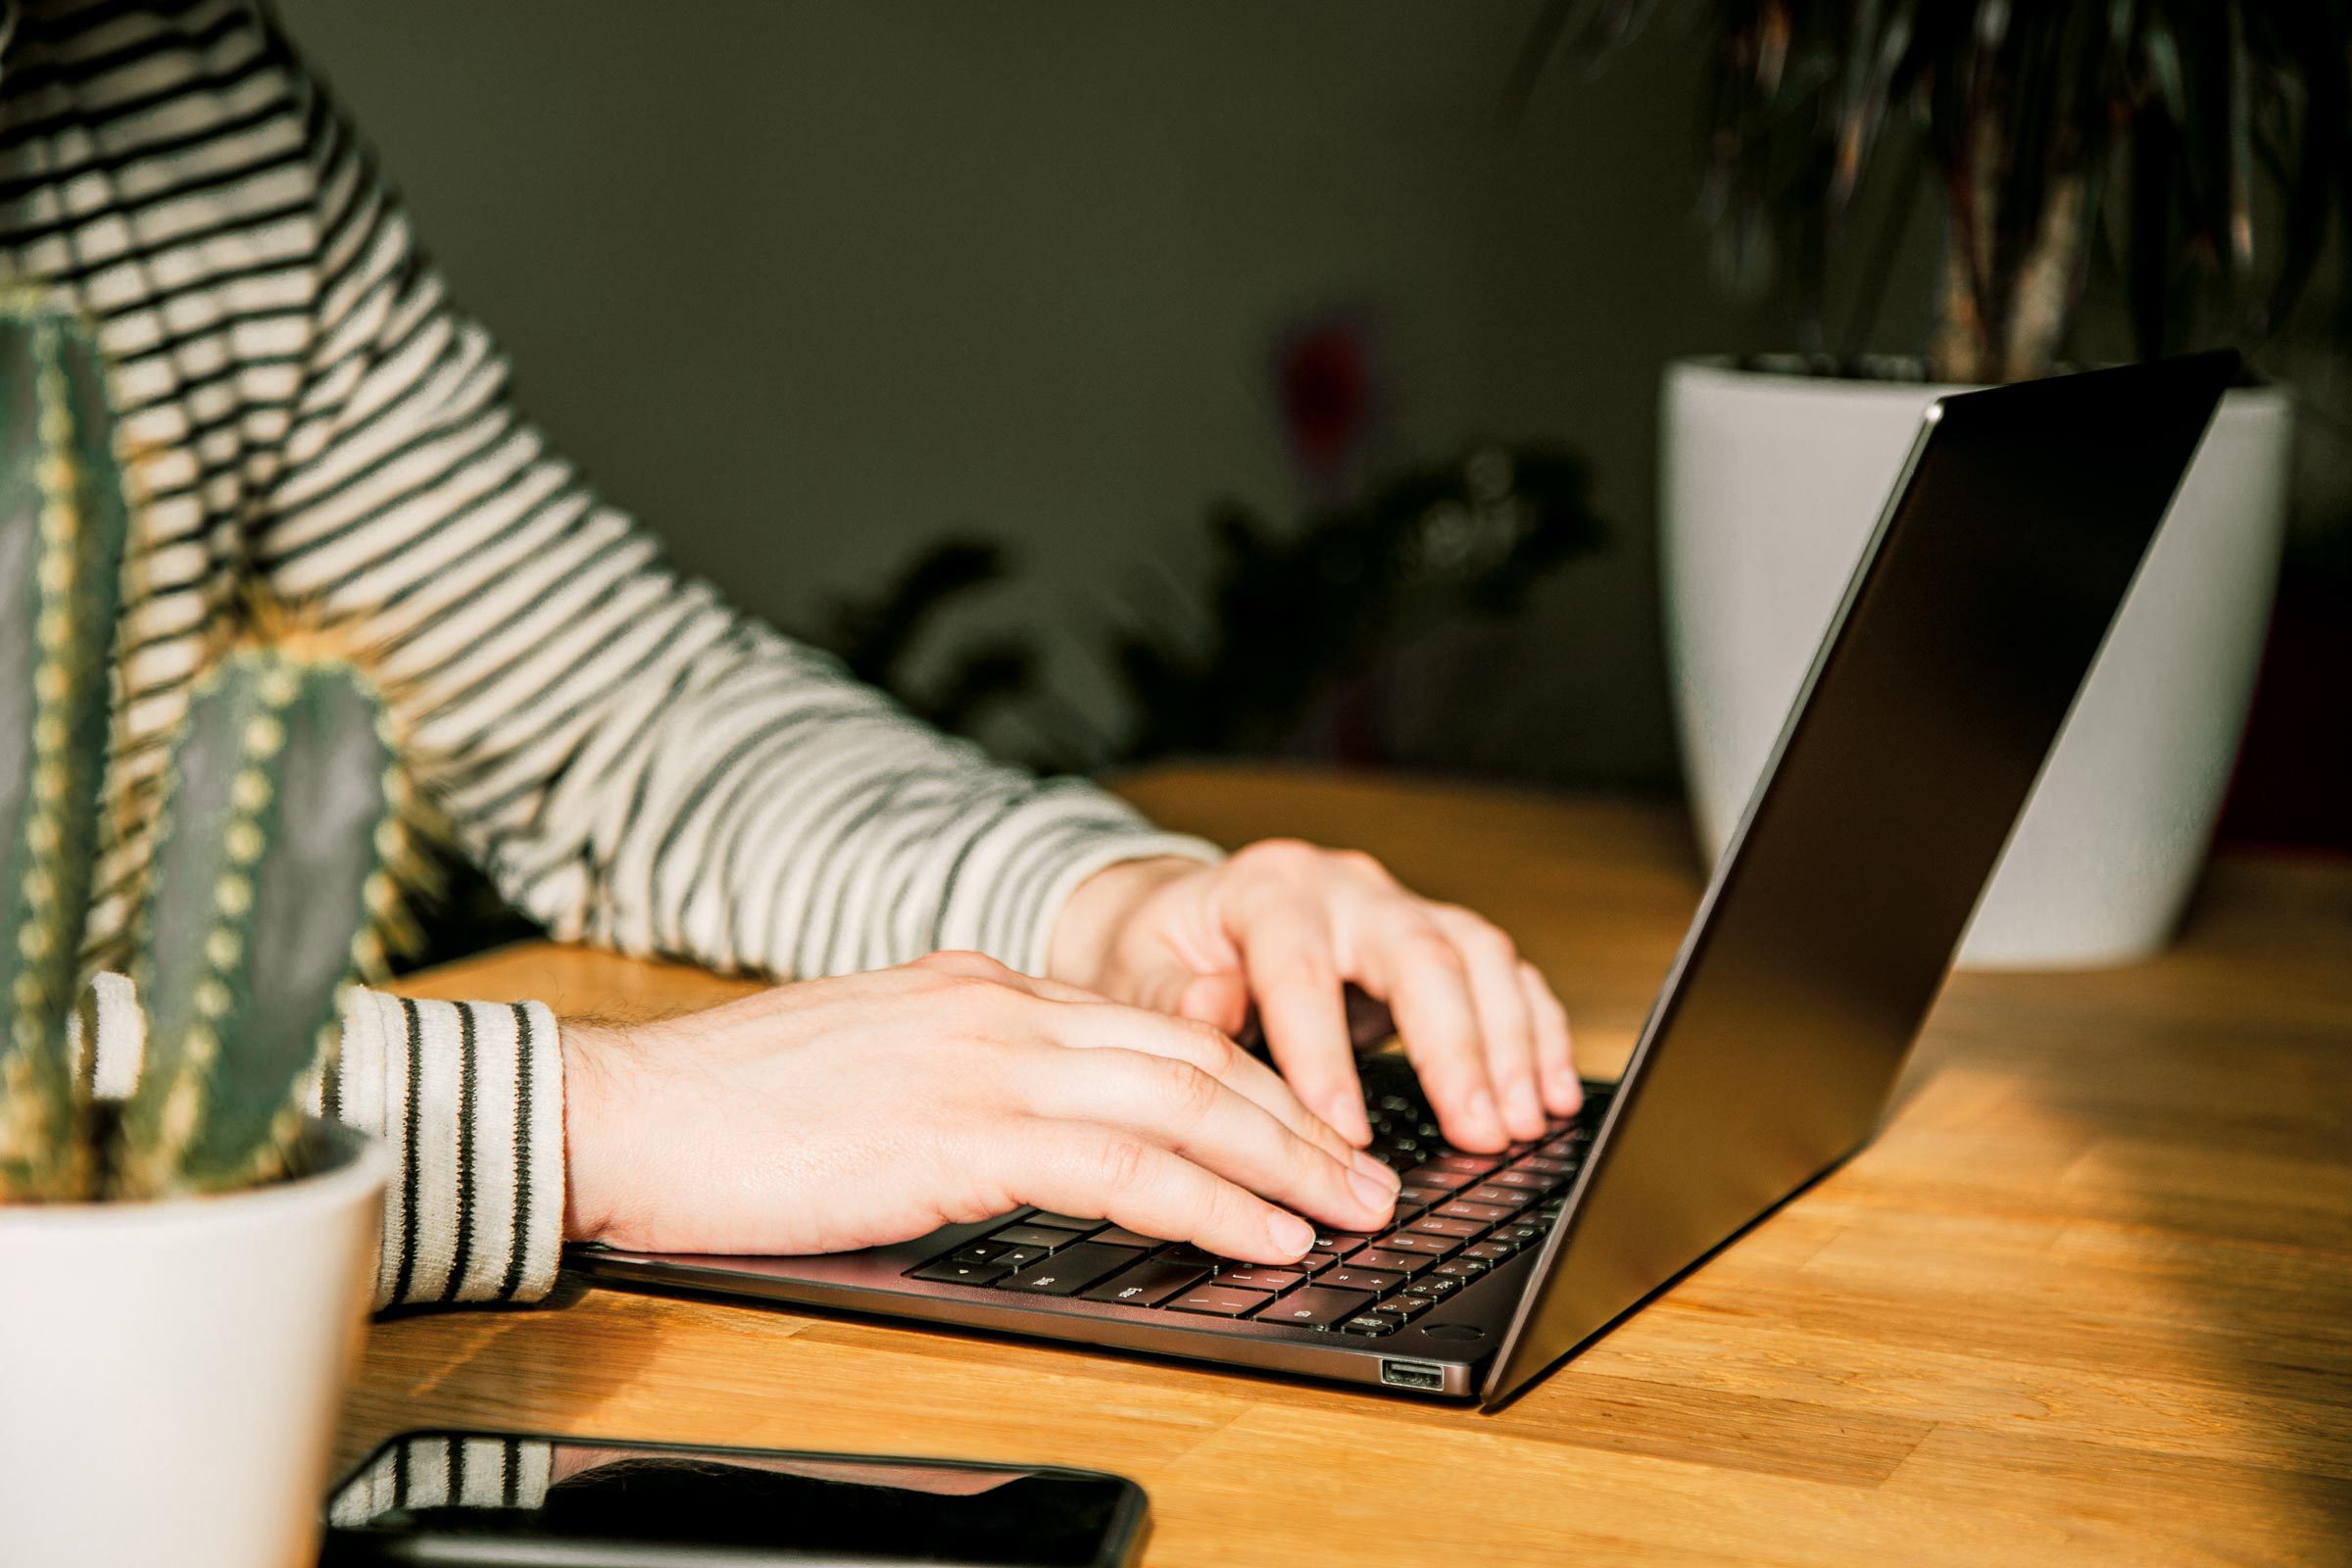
460, 1497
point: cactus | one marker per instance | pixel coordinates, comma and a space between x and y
64, 525
287, 840
273, 887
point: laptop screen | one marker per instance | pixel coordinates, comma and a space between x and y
1938, 691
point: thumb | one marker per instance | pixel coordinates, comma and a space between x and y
1220, 1000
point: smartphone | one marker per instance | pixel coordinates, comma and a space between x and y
528, 1502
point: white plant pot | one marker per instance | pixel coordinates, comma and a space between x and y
1769, 487
171, 1373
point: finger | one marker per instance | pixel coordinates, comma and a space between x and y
1555, 1055
1220, 1000
1506, 1027
1214, 1053
1080, 1168
1193, 1113
1427, 986
1286, 948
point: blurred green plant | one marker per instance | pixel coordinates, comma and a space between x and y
1293, 614
2200, 150
274, 883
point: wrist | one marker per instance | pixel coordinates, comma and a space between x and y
1087, 930
594, 1055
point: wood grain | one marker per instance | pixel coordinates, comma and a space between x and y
2087, 1299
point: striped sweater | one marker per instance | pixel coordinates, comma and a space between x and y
632, 761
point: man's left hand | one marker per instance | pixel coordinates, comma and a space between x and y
1286, 925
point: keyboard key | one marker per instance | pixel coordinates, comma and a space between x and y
1316, 1262
1348, 1277
1460, 1230
1423, 1197
1315, 1306
1408, 1305
1120, 1236
1217, 1301
1443, 1176
1065, 1222
1543, 1165
997, 1253
982, 1251
1034, 1235
1510, 1198
1391, 1262
1249, 1276
1148, 1284
1530, 1180
1070, 1270
1489, 1252
1369, 1323
1518, 1235
1464, 1269
948, 1271
1182, 1254
1416, 1242
1473, 1163
1463, 1208
1339, 1244
1434, 1286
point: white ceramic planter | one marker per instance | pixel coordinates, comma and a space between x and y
171, 1373
1769, 487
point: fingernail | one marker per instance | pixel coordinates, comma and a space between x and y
1291, 1234
1376, 1196
1566, 1093
1526, 1111
1481, 1108
1388, 1178
1344, 1115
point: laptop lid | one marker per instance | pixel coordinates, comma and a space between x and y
1938, 690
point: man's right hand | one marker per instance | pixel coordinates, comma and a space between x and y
831, 1114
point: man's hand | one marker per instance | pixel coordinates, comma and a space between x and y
869, 1109
1286, 925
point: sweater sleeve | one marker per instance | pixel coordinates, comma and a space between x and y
447, 1470
634, 763
469, 1096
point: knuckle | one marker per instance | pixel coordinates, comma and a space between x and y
1117, 1165
1280, 854
962, 964
1427, 946
1191, 1091
1213, 1050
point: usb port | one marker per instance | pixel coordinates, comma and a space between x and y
1414, 1375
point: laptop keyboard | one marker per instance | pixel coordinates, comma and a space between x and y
1459, 1216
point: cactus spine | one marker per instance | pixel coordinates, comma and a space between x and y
64, 525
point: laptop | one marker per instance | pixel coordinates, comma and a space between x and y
1971, 622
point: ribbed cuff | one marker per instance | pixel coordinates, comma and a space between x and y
469, 1099
447, 1471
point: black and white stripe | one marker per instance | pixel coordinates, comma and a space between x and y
447, 1470
472, 1094
633, 762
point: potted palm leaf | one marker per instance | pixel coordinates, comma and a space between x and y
2113, 179
185, 1256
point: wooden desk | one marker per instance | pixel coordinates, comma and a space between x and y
2088, 1300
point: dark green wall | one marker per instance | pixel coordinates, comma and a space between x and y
806, 285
